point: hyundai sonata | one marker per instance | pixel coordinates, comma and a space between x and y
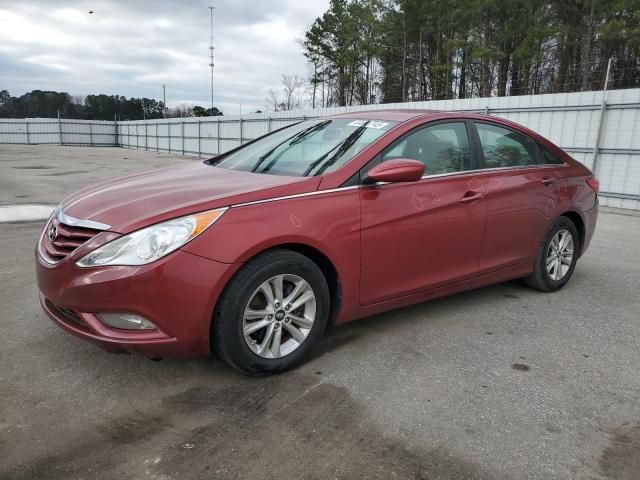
253, 252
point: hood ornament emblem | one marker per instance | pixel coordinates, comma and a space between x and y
53, 232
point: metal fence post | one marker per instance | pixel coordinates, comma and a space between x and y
269, 124
91, 134
169, 136
240, 130
157, 139
218, 137
116, 141
603, 111
199, 147
27, 129
59, 129
182, 134
146, 138
596, 147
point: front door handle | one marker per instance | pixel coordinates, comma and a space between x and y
471, 196
547, 181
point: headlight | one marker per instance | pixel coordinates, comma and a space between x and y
151, 243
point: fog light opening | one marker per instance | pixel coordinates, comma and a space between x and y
126, 321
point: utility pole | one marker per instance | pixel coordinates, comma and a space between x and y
211, 49
164, 101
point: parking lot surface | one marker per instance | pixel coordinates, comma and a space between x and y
48, 173
498, 383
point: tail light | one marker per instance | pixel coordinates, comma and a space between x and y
594, 183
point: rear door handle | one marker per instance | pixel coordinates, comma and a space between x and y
547, 181
471, 196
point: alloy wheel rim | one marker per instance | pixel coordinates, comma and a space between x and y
279, 316
560, 255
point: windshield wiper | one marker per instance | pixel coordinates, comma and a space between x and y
342, 149
297, 138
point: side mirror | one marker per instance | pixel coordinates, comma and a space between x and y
396, 170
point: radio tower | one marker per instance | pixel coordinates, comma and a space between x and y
211, 49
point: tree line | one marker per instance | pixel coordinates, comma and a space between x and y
49, 104
370, 51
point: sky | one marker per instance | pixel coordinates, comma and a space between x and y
132, 47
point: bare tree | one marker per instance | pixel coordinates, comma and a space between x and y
182, 110
290, 96
273, 99
78, 99
291, 91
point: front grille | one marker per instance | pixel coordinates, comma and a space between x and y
66, 314
65, 241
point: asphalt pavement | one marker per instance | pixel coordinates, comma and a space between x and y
502, 382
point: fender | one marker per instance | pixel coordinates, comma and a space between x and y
245, 231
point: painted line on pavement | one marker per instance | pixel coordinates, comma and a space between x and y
27, 212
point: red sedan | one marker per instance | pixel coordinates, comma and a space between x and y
253, 252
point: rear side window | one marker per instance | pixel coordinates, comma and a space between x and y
502, 147
550, 158
443, 148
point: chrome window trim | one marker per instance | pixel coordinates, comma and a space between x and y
482, 170
521, 167
297, 195
424, 177
77, 222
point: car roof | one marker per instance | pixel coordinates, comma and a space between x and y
405, 114
398, 115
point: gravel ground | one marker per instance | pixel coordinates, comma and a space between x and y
501, 382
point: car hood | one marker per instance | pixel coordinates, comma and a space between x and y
142, 199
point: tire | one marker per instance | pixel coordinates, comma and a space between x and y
551, 280
245, 297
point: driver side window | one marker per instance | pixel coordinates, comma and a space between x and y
443, 148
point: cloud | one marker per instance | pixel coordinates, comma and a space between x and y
132, 47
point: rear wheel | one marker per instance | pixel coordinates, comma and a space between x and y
556, 258
271, 313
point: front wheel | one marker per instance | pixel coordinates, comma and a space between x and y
271, 313
556, 258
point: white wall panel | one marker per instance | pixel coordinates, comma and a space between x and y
568, 119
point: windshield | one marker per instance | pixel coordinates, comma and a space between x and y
309, 148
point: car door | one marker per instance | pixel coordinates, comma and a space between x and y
421, 235
522, 192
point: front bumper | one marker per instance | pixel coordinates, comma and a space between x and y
177, 293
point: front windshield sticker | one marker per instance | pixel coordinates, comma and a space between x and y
368, 124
